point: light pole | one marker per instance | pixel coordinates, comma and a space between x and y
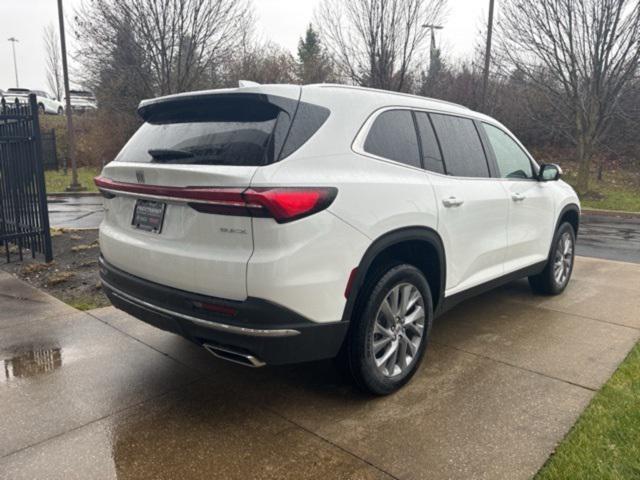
13, 41
75, 186
487, 57
432, 49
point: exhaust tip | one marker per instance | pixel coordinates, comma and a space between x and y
235, 356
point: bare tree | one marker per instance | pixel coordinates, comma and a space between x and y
262, 62
172, 45
581, 55
53, 60
376, 42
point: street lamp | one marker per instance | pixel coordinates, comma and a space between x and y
13, 41
432, 50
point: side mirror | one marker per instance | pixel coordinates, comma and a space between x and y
549, 172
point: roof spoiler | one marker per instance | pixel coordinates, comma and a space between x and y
247, 83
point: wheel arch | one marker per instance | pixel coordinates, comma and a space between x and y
570, 213
400, 244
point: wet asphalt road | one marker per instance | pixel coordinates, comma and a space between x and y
611, 238
601, 236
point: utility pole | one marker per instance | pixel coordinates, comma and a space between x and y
487, 58
13, 41
75, 186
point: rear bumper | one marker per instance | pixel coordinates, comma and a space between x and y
270, 333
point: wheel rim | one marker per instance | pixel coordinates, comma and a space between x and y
563, 259
398, 330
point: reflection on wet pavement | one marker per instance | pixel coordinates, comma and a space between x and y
32, 361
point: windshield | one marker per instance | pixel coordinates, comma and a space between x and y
220, 132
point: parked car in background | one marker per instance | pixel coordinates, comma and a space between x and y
277, 224
82, 101
47, 103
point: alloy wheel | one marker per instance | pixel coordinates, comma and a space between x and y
563, 259
398, 330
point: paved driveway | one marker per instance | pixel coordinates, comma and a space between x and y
101, 395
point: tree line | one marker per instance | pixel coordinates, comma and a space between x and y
563, 72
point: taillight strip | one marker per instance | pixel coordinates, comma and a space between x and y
227, 196
283, 204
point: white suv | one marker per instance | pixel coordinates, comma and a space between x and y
278, 224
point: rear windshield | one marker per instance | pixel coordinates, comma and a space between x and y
243, 133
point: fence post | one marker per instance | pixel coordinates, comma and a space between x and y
39, 168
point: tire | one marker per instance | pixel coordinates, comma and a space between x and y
557, 273
371, 324
41, 109
60, 111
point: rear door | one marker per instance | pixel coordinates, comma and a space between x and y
531, 206
198, 147
472, 206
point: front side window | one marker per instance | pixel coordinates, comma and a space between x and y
512, 161
393, 136
461, 146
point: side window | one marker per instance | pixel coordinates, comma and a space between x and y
512, 161
461, 147
431, 156
393, 136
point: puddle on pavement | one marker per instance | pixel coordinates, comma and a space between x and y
30, 362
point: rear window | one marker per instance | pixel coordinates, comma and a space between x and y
220, 132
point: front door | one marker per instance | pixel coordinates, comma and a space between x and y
531, 206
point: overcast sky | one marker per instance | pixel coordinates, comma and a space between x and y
282, 21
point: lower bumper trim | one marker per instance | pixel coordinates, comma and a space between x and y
221, 327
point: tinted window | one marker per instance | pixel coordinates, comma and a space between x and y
393, 136
308, 120
512, 161
461, 146
218, 132
431, 157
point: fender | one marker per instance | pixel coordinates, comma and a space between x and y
568, 208
382, 243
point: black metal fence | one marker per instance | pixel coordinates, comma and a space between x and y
24, 219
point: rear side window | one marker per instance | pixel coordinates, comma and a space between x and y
461, 147
393, 136
431, 157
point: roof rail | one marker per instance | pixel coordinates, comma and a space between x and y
389, 92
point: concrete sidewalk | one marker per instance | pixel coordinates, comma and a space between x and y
101, 395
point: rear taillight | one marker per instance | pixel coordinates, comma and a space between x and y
288, 204
284, 204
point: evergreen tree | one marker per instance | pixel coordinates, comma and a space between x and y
314, 65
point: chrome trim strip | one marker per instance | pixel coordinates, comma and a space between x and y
219, 352
221, 327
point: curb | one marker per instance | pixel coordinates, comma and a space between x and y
610, 213
73, 194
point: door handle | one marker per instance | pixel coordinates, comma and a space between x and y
452, 202
517, 197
